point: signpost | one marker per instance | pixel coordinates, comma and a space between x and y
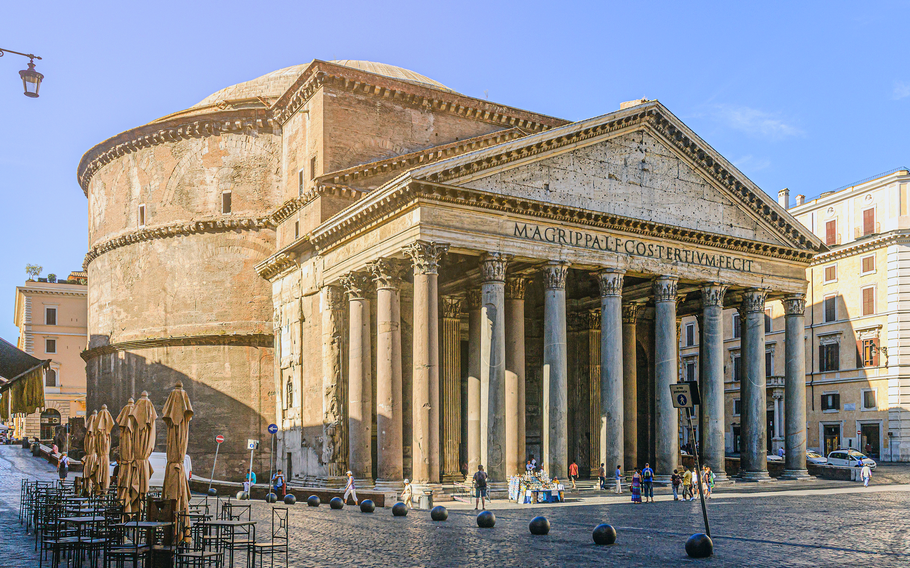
685, 395
218, 440
251, 445
273, 429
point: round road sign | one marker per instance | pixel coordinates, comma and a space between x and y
219, 438
273, 428
682, 399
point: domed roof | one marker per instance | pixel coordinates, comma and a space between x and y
273, 85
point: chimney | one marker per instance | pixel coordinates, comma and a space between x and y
800, 199
783, 198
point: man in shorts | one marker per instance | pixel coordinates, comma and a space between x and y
573, 473
480, 488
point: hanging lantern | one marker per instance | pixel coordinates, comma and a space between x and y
31, 80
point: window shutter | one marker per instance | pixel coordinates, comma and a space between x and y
859, 354
831, 233
822, 365
875, 351
868, 221
836, 404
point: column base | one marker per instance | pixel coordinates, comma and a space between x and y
453, 477
756, 476
797, 475
396, 485
365, 482
722, 477
334, 481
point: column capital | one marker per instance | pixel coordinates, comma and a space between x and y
474, 299
515, 287
493, 266
713, 294
554, 274
610, 281
387, 273
451, 307
425, 256
795, 305
665, 288
753, 301
630, 312
356, 284
592, 318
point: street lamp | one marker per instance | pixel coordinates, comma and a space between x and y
31, 79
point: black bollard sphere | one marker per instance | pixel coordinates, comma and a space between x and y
271, 498
313, 501
486, 519
699, 545
400, 509
439, 513
367, 506
539, 525
604, 534
289, 499
213, 492
243, 495
336, 503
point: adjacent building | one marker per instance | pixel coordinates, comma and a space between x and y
51, 315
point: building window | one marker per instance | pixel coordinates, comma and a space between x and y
50, 378
736, 368
831, 232
831, 273
768, 320
829, 357
690, 370
867, 352
289, 395
737, 407
50, 316
225, 202
50, 345
690, 334
301, 181
869, 301
830, 401
296, 229
50, 419
142, 215
869, 221
769, 364
869, 400
313, 167
735, 325
830, 309
869, 264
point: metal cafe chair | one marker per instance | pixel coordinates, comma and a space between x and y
277, 546
125, 547
193, 554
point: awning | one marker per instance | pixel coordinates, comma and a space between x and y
21, 381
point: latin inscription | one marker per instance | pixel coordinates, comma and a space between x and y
630, 247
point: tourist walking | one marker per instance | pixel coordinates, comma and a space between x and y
687, 485
675, 480
573, 473
406, 495
636, 487
278, 484
63, 466
480, 488
866, 475
618, 487
349, 489
647, 483
602, 476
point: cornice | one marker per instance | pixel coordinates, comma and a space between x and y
291, 206
863, 245
24, 290
245, 339
212, 225
275, 265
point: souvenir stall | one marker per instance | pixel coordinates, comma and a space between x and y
535, 487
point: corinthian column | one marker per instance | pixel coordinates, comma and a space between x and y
473, 402
451, 388
630, 385
425, 446
611, 368
515, 374
712, 375
666, 448
753, 386
492, 364
333, 456
795, 388
389, 456
555, 370
360, 383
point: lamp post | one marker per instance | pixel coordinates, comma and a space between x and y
31, 79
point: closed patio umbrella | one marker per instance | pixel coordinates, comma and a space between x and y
126, 456
88, 461
177, 414
143, 426
104, 423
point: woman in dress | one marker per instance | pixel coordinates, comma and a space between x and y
636, 487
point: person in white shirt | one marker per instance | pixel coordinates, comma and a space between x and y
866, 474
407, 495
349, 488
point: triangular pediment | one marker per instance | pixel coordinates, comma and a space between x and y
641, 163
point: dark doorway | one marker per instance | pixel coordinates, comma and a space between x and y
832, 438
289, 468
645, 405
50, 419
769, 433
869, 445
737, 439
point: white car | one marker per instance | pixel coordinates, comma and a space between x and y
158, 461
815, 458
849, 458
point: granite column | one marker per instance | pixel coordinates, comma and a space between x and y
473, 402
753, 393
515, 374
492, 364
795, 388
555, 370
360, 383
630, 386
450, 378
611, 368
666, 447
712, 378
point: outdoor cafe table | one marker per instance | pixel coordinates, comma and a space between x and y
81, 522
150, 528
232, 533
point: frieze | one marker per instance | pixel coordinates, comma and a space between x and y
795, 305
493, 266
451, 307
554, 274
665, 289
387, 273
713, 295
425, 256
515, 287
247, 339
610, 282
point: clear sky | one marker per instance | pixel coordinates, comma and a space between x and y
806, 95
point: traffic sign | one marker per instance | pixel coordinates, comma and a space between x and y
252, 444
219, 438
683, 395
273, 428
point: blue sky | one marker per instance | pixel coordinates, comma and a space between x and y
805, 95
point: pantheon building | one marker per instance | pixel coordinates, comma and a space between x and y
410, 282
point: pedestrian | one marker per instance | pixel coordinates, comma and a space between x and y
780, 452
63, 466
529, 468
251, 477
55, 450
480, 488
647, 482
866, 474
711, 478
618, 487
687, 485
406, 495
573, 473
278, 484
533, 463
602, 476
675, 481
349, 489
636, 487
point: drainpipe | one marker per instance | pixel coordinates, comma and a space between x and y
812, 341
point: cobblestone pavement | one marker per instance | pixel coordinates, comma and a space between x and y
810, 525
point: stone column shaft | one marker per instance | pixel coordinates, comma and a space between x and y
594, 322
752, 388
712, 383
360, 383
492, 364
515, 375
333, 456
630, 386
555, 371
665, 370
611, 369
473, 402
795, 388
451, 388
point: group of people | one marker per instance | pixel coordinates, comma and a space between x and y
689, 483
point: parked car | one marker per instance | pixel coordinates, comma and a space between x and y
849, 458
815, 458
158, 461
